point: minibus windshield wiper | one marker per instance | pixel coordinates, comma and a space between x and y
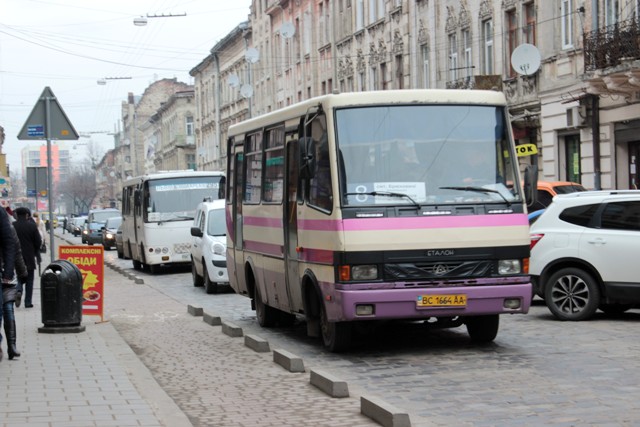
176, 218
478, 190
385, 194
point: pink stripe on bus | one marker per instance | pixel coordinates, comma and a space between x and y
404, 223
258, 221
264, 248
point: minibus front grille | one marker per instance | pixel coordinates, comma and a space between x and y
438, 270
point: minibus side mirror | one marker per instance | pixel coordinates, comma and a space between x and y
531, 184
307, 149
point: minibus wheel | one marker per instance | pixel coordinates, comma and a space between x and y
266, 315
483, 329
336, 336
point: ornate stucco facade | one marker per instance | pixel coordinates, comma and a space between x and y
291, 50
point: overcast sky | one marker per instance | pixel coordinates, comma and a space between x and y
68, 45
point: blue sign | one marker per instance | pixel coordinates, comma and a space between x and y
35, 130
31, 193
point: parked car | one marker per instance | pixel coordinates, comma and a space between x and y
76, 224
548, 189
209, 246
109, 231
95, 221
92, 234
584, 250
119, 248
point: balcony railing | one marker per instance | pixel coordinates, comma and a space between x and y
486, 82
610, 46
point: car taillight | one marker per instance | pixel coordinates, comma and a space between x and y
535, 238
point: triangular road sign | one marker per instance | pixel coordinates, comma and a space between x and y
60, 127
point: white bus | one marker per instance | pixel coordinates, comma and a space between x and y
157, 213
358, 207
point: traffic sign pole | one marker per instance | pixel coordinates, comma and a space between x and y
56, 126
47, 101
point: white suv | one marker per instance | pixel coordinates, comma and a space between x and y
209, 246
584, 253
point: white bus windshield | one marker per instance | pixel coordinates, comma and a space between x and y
425, 154
176, 199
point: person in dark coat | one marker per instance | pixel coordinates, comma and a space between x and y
7, 257
30, 243
9, 294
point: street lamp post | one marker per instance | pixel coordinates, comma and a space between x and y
141, 21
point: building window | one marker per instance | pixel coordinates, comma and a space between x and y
466, 46
512, 39
399, 72
191, 161
453, 57
374, 78
487, 52
572, 153
359, 14
383, 76
361, 81
424, 51
611, 12
566, 11
376, 10
189, 129
529, 28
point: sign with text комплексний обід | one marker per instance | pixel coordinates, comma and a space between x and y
90, 262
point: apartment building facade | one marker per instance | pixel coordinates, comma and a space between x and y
578, 99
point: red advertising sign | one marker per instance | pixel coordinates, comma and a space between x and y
90, 261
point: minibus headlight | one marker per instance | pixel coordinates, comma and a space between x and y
364, 272
509, 266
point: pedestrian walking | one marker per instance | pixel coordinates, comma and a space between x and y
9, 297
30, 242
64, 225
41, 227
7, 257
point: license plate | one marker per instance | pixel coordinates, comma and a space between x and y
442, 301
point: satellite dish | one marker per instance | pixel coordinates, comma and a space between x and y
287, 30
233, 80
246, 90
252, 55
525, 59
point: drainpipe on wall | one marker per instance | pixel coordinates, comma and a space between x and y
595, 132
595, 113
218, 161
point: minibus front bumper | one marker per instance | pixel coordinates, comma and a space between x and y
346, 303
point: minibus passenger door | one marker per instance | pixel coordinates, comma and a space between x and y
290, 221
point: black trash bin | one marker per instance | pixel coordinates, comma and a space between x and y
61, 297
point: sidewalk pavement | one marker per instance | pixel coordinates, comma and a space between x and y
201, 376
91, 378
